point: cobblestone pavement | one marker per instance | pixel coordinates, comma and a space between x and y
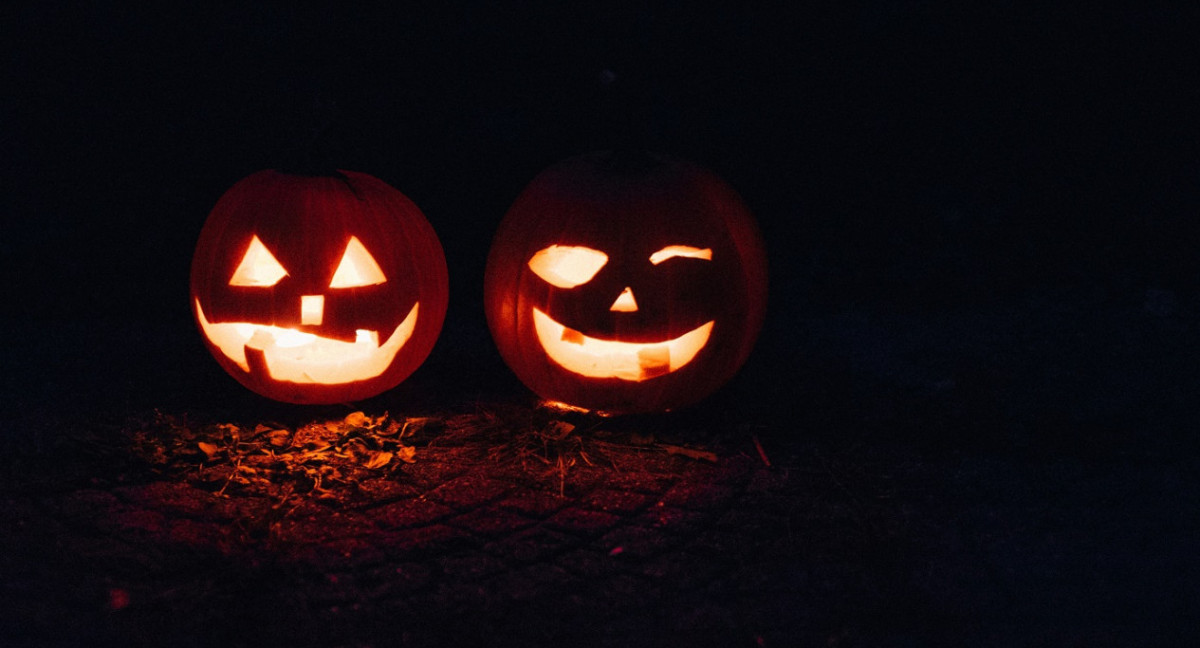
461, 546
629, 541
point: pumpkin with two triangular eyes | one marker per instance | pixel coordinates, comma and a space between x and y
626, 282
318, 289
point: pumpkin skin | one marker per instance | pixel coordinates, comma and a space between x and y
318, 289
666, 298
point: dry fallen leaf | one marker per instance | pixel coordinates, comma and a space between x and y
407, 454
558, 430
379, 460
210, 450
393, 426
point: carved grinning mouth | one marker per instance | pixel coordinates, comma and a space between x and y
295, 356
596, 358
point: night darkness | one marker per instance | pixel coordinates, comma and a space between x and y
979, 221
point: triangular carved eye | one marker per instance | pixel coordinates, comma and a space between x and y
258, 267
357, 267
567, 266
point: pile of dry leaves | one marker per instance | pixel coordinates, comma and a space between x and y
319, 458
329, 459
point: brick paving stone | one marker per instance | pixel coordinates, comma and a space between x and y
766, 481
491, 521
469, 491
346, 552
430, 471
635, 587
698, 494
582, 522
651, 461
380, 490
731, 469
411, 512
588, 562
741, 519
615, 501
529, 582
469, 567
326, 527
178, 498
640, 482
713, 543
683, 570
402, 578
534, 543
195, 533
428, 540
579, 482
533, 503
460, 601
141, 523
633, 542
672, 520
87, 504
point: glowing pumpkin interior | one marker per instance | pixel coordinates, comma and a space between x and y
292, 355
568, 266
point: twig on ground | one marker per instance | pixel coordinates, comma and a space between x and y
761, 453
691, 453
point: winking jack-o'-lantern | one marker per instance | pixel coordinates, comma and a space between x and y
626, 282
318, 289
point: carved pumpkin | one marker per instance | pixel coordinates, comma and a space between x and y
626, 282
318, 289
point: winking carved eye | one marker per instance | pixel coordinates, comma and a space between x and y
688, 251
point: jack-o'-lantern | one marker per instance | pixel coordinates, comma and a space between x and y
318, 289
626, 282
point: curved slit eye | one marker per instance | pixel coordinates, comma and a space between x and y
687, 251
567, 266
258, 267
357, 267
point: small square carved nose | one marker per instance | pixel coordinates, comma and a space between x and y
312, 309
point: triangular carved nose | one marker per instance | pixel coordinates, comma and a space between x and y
625, 302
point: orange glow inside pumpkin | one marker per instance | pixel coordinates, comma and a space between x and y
686, 251
312, 309
295, 356
568, 266
624, 303
258, 267
299, 357
357, 268
597, 358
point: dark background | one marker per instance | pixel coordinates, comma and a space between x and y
981, 182
980, 222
